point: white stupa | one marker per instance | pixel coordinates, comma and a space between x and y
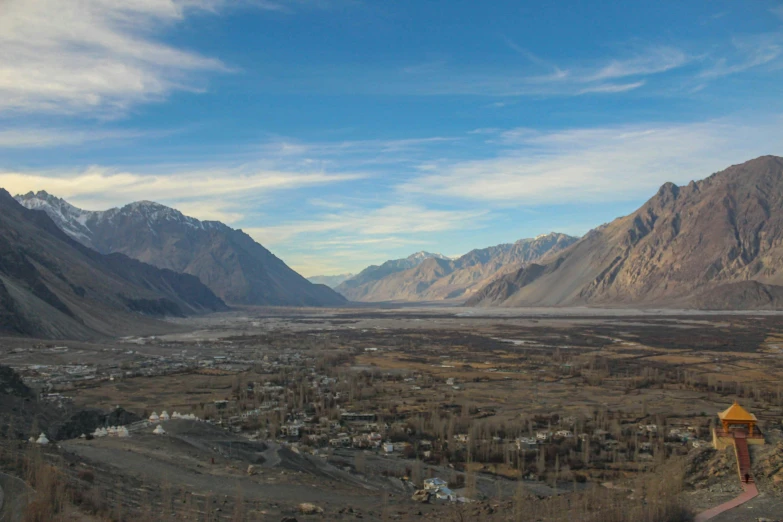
164, 416
111, 431
123, 432
154, 417
42, 439
159, 430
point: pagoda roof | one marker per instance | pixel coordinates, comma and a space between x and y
735, 412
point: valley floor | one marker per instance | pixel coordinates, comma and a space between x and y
521, 412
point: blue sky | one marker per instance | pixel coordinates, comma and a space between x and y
341, 133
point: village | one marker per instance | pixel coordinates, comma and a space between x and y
455, 420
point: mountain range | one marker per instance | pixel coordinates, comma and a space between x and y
434, 277
228, 261
67, 272
712, 244
52, 286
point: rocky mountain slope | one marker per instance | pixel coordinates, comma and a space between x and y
441, 278
228, 261
332, 281
714, 244
52, 286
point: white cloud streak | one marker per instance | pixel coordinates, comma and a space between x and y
751, 52
598, 165
387, 220
580, 79
33, 138
93, 55
98, 188
611, 87
654, 61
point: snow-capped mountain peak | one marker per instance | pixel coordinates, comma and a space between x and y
72, 220
422, 255
80, 224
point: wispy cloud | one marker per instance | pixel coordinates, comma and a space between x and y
93, 55
654, 60
555, 71
347, 241
291, 147
98, 188
539, 76
99, 57
322, 203
357, 224
750, 52
598, 164
41, 137
612, 87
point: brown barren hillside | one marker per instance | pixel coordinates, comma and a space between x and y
715, 243
52, 286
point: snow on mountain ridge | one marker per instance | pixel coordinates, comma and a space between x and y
80, 224
71, 219
422, 255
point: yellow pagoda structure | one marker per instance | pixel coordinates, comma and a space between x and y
736, 422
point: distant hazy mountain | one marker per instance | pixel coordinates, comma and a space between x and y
434, 277
228, 261
353, 288
330, 281
52, 286
713, 244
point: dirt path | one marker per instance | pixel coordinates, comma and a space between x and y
750, 492
271, 456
